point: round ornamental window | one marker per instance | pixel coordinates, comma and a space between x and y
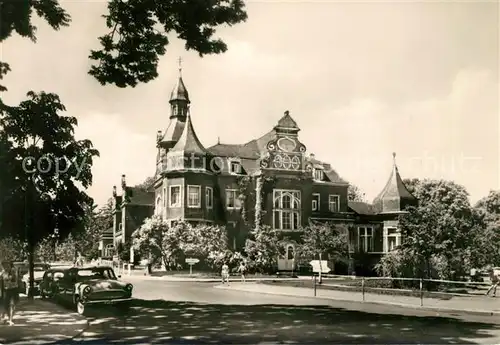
295, 163
277, 161
286, 144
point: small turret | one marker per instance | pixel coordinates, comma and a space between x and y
395, 196
114, 192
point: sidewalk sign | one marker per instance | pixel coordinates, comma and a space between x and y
191, 262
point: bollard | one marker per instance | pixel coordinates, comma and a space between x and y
421, 292
314, 285
363, 287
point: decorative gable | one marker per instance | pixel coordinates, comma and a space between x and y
284, 151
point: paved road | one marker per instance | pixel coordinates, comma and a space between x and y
190, 312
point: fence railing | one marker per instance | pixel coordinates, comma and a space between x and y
410, 287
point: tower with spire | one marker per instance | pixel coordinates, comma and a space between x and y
179, 105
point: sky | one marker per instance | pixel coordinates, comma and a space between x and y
361, 79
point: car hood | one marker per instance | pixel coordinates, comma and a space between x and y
37, 275
104, 284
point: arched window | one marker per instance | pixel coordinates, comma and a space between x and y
290, 252
286, 209
108, 250
158, 206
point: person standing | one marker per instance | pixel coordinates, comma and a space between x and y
225, 273
494, 282
243, 270
10, 285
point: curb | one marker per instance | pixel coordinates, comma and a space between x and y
199, 280
404, 305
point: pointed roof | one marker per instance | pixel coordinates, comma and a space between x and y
287, 122
394, 191
179, 93
189, 142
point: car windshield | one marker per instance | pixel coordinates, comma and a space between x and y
95, 273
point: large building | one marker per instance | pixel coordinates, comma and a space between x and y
226, 183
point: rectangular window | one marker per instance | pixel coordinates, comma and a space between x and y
232, 199
366, 239
334, 203
209, 197
235, 167
194, 196
392, 239
318, 174
315, 202
175, 196
286, 210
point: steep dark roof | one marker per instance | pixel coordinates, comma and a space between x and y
189, 143
179, 92
362, 208
287, 122
174, 130
394, 194
139, 196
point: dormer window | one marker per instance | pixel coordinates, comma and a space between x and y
234, 167
318, 174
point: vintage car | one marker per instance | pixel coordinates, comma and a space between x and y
39, 270
85, 286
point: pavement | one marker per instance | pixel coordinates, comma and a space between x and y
478, 304
168, 312
42, 322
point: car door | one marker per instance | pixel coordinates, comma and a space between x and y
57, 285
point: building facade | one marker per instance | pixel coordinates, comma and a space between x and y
271, 180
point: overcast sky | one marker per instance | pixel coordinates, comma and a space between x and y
362, 79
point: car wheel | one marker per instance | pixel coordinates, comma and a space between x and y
80, 307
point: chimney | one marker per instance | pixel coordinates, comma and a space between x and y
114, 191
124, 182
311, 155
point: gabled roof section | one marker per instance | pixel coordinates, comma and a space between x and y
139, 196
330, 174
179, 92
251, 150
189, 142
362, 208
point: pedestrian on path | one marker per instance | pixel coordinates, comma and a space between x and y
10, 291
225, 273
494, 282
243, 270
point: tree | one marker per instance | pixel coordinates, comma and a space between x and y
263, 248
130, 51
436, 233
206, 242
11, 249
328, 239
42, 171
138, 35
147, 184
355, 194
158, 241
